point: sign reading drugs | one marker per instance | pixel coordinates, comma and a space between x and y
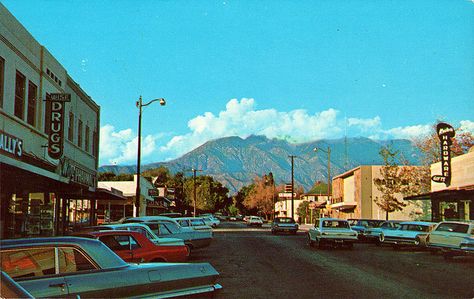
445, 134
55, 103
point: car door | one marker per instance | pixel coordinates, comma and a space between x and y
35, 270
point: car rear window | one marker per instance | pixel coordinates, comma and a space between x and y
335, 224
453, 227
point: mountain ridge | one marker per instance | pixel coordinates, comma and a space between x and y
235, 161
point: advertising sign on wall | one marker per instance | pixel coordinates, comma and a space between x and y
445, 134
55, 103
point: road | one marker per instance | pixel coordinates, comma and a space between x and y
253, 263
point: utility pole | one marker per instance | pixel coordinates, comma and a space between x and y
194, 189
292, 187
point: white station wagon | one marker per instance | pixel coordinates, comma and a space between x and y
331, 231
452, 238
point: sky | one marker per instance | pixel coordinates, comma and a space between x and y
294, 70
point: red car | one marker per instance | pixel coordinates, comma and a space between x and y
134, 247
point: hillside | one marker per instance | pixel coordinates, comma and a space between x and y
235, 161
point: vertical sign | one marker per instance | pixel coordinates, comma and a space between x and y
445, 133
55, 106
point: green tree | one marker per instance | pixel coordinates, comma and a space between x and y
303, 211
391, 182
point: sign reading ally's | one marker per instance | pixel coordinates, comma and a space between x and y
445, 134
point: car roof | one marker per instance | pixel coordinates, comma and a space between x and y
418, 223
95, 248
332, 219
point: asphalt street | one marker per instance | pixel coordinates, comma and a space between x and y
253, 263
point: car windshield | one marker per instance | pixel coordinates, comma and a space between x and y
335, 224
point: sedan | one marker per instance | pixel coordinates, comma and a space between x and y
452, 238
81, 267
373, 234
331, 231
284, 224
254, 221
168, 227
135, 247
410, 233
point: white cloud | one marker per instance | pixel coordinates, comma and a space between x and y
467, 125
121, 147
241, 118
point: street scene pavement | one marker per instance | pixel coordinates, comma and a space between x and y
253, 263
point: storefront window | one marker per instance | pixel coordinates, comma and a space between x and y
30, 215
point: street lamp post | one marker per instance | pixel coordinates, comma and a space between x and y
328, 151
139, 106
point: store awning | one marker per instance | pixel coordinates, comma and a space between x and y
456, 191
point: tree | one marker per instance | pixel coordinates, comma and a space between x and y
391, 182
161, 174
261, 196
211, 196
110, 176
303, 211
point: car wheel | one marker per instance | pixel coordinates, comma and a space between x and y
320, 243
377, 242
310, 242
190, 248
417, 241
381, 238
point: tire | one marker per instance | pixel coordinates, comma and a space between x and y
190, 248
417, 241
377, 242
310, 242
320, 243
381, 238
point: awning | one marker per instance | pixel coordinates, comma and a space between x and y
456, 191
343, 205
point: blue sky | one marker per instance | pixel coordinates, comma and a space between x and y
299, 70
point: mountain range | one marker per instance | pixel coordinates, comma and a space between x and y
235, 161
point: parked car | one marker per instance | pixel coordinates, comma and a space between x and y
331, 231
254, 221
135, 247
372, 234
361, 225
452, 238
211, 220
81, 267
138, 227
169, 227
284, 224
410, 233
197, 223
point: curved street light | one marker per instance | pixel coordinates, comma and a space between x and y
328, 151
139, 105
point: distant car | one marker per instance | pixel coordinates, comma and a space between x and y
135, 247
254, 221
138, 227
169, 227
284, 224
452, 238
372, 234
81, 267
410, 233
196, 223
331, 231
211, 220
361, 225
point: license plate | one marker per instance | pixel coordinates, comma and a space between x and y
339, 241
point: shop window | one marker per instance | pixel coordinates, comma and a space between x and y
95, 142
86, 139
19, 95
2, 82
70, 130
32, 95
79, 133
